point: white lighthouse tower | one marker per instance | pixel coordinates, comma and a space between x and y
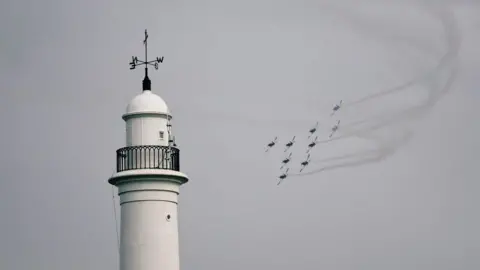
148, 178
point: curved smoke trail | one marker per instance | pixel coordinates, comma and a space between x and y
434, 93
453, 44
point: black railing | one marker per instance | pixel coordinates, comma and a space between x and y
148, 157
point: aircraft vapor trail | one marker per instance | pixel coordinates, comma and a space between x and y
434, 93
409, 113
451, 31
364, 153
392, 118
371, 156
452, 38
384, 150
350, 133
357, 21
355, 163
373, 29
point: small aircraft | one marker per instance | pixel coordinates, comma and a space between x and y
283, 176
271, 144
305, 163
313, 130
286, 160
334, 129
312, 144
336, 107
289, 144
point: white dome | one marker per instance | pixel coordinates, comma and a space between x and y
147, 102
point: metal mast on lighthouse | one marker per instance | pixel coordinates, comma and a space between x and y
148, 178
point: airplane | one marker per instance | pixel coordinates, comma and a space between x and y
337, 107
305, 163
313, 130
312, 144
289, 144
334, 129
283, 176
286, 160
271, 144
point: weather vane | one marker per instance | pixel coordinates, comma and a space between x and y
135, 62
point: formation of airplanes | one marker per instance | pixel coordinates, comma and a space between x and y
312, 131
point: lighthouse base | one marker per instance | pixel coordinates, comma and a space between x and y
149, 221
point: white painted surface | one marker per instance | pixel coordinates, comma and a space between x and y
166, 175
146, 116
148, 197
149, 239
145, 130
147, 102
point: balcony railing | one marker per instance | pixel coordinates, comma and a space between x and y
148, 157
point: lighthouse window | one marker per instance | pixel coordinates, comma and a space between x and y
168, 217
161, 135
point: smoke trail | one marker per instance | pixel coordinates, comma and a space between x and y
453, 45
412, 112
365, 153
386, 149
356, 163
404, 115
452, 39
374, 29
433, 92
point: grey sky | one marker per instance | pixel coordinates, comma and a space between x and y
236, 74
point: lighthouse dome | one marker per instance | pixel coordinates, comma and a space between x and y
146, 102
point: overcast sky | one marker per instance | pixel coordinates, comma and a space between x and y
235, 75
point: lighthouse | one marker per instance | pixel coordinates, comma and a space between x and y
148, 179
